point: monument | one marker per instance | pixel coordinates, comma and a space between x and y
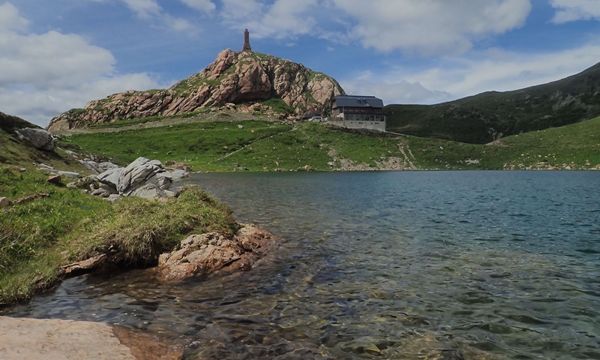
247, 46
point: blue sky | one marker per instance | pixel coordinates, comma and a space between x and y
59, 54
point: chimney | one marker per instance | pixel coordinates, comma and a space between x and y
247, 46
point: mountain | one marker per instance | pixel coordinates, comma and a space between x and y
488, 116
234, 77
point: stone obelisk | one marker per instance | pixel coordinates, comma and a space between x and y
247, 46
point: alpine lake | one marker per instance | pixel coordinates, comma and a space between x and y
390, 265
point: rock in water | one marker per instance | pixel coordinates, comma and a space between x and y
233, 78
38, 138
200, 255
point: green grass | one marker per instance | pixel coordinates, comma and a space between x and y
149, 119
263, 146
279, 106
199, 145
224, 146
574, 146
38, 237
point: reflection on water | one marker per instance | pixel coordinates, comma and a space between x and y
382, 265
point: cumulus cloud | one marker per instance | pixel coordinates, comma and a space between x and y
434, 26
10, 18
393, 88
44, 74
431, 27
278, 19
206, 6
573, 10
478, 72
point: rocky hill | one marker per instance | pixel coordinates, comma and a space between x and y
234, 77
492, 115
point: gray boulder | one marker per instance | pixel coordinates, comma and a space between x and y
111, 177
142, 178
38, 138
137, 174
98, 167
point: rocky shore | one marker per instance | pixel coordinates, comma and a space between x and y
34, 339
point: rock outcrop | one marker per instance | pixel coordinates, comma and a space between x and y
201, 255
233, 78
38, 138
144, 178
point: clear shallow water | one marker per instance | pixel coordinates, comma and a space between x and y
382, 265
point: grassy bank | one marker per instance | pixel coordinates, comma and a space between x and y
38, 237
268, 146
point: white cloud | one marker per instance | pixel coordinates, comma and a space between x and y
151, 10
394, 90
42, 75
206, 6
144, 8
10, 18
478, 72
430, 27
279, 19
433, 26
573, 10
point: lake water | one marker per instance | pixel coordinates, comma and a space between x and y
444, 265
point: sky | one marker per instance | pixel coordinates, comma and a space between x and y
59, 54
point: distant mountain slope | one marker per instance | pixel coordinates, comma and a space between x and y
234, 77
488, 116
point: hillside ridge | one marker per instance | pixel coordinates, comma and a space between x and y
492, 115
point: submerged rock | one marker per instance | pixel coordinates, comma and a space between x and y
201, 255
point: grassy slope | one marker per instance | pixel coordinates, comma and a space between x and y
16, 152
38, 237
261, 146
472, 119
228, 146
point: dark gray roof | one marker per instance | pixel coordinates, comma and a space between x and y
358, 101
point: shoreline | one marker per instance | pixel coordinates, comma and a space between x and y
53, 339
